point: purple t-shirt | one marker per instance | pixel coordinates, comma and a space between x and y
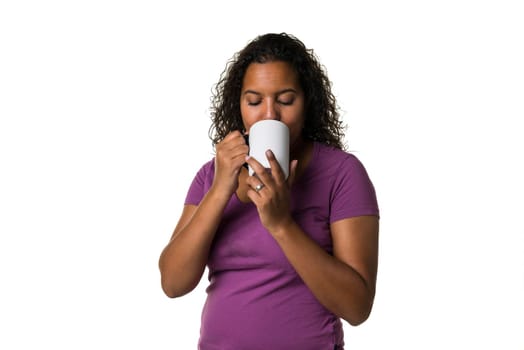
255, 299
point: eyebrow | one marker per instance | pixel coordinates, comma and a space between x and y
278, 92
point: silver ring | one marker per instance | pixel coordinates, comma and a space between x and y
259, 187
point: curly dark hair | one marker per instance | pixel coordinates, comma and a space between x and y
322, 118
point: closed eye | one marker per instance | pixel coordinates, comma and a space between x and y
287, 102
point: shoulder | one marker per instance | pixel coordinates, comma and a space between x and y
207, 169
205, 174
351, 190
335, 159
201, 183
343, 170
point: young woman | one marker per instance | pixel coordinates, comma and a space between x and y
287, 258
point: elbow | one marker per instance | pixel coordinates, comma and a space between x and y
172, 283
171, 292
357, 316
168, 285
176, 283
168, 289
174, 290
357, 320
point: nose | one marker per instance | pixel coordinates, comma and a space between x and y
271, 110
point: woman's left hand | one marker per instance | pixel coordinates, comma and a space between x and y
272, 196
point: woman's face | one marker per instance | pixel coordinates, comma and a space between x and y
272, 91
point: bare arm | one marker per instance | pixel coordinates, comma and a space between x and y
184, 259
345, 282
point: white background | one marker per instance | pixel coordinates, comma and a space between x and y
104, 120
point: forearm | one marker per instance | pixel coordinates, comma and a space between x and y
335, 284
184, 259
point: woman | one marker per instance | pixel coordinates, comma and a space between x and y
288, 258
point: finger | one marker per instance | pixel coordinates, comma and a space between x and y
234, 142
239, 151
233, 156
276, 169
233, 134
233, 145
239, 158
254, 181
260, 170
255, 196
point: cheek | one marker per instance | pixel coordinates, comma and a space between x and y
295, 135
296, 125
245, 118
249, 117
295, 131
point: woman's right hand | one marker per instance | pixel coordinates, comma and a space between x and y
185, 257
230, 155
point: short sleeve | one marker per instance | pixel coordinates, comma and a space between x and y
353, 192
200, 184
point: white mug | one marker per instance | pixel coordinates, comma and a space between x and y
271, 135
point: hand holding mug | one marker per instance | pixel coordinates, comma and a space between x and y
230, 156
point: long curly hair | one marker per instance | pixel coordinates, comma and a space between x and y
322, 118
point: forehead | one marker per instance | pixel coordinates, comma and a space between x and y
276, 74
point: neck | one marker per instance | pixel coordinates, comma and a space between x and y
300, 149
